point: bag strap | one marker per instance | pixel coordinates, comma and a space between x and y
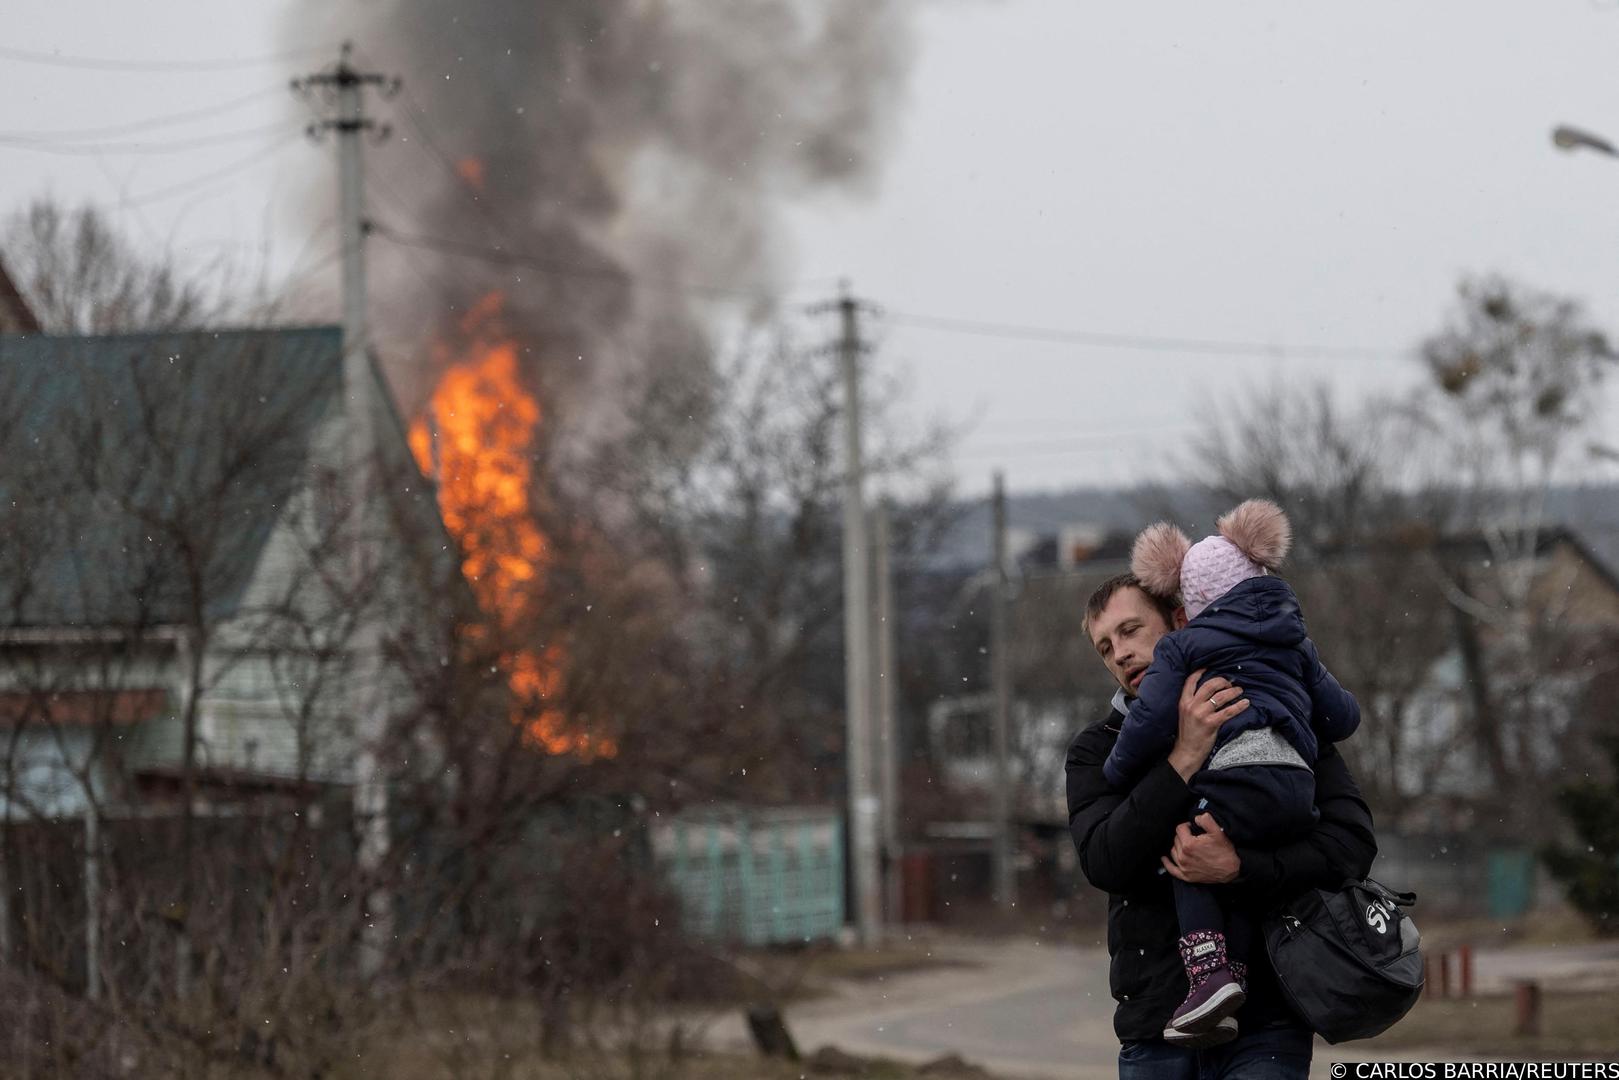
1286, 907
1400, 899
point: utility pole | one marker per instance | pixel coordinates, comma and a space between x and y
887, 717
858, 697
1001, 851
360, 382
92, 896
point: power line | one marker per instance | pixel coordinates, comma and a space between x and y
299, 277
214, 177
500, 257
430, 279
1095, 441
418, 120
417, 115
1057, 425
103, 63
73, 134
1104, 439
972, 453
173, 147
1206, 346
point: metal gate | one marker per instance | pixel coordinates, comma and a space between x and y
756, 876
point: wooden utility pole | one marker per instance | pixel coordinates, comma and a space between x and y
360, 382
92, 896
1001, 803
857, 639
887, 718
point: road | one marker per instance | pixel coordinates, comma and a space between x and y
1021, 1008
1585, 965
1037, 1010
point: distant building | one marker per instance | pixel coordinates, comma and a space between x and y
1572, 602
1058, 683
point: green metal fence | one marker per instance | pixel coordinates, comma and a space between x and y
756, 876
1512, 882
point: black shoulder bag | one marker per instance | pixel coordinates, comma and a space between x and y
1349, 962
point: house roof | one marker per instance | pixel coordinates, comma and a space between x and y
1475, 547
142, 471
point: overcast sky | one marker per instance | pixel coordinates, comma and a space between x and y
1259, 171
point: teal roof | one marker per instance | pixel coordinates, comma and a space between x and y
142, 474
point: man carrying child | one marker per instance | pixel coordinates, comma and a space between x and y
1135, 843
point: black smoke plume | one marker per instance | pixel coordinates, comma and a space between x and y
626, 157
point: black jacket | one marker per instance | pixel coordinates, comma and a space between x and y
1120, 839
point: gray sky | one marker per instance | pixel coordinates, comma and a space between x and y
1263, 171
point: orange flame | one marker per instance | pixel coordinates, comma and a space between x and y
478, 436
472, 171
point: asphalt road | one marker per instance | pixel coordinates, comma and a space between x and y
1029, 1009
1018, 1007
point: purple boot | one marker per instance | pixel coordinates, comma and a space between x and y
1218, 1035
1215, 993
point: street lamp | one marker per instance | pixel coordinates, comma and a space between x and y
1572, 138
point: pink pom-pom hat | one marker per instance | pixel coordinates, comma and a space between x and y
1253, 540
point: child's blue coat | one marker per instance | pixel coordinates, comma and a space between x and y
1254, 636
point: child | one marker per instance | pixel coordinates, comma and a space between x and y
1245, 625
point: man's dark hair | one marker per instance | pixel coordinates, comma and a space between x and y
1105, 592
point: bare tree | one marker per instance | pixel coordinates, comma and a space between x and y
1514, 374
177, 634
532, 740
1366, 520
1421, 530
81, 275
732, 486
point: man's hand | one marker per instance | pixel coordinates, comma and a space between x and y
1203, 859
1203, 709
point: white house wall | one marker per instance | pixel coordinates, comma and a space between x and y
258, 719
254, 716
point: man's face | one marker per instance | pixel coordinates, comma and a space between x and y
1124, 635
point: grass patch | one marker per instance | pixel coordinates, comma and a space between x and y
694, 1067
896, 959
1572, 1025
464, 1036
796, 975
699, 1065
